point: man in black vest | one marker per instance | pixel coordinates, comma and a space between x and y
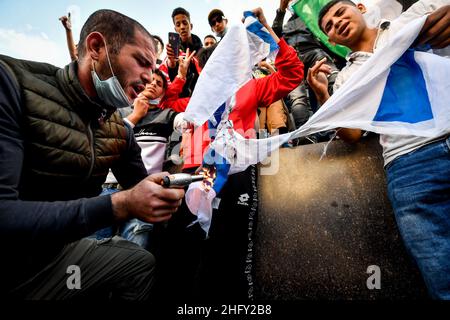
59, 135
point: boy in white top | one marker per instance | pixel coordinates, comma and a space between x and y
417, 168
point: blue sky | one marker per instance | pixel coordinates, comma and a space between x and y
31, 29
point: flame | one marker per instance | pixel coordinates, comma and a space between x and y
209, 174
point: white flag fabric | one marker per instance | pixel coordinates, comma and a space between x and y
227, 70
375, 98
229, 67
260, 41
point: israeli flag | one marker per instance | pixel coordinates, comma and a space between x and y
229, 68
397, 91
260, 41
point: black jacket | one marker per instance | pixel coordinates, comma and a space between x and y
297, 35
34, 230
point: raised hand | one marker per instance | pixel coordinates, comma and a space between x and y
318, 80
284, 4
184, 62
436, 30
66, 22
267, 66
259, 13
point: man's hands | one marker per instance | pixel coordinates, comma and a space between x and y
259, 13
140, 108
318, 80
171, 60
66, 23
147, 201
436, 30
183, 64
267, 66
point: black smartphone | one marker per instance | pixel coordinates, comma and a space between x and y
174, 40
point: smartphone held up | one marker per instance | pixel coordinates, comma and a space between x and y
174, 41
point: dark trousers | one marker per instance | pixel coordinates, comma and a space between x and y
191, 268
226, 270
112, 268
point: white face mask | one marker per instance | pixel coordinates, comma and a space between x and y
110, 91
154, 101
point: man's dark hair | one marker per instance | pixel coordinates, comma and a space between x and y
327, 7
118, 30
163, 77
180, 10
204, 54
209, 36
158, 39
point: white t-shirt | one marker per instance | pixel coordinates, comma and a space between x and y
153, 148
381, 9
393, 145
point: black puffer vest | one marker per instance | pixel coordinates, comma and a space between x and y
67, 151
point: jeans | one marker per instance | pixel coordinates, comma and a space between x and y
133, 230
419, 190
137, 231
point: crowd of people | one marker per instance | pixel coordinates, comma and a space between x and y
84, 149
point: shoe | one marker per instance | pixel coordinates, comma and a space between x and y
306, 140
287, 144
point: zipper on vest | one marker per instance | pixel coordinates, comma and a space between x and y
91, 144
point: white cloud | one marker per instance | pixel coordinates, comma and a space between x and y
32, 47
28, 27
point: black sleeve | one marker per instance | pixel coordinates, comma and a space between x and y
277, 25
30, 220
173, 72
406, 3
172, 116
130, 169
